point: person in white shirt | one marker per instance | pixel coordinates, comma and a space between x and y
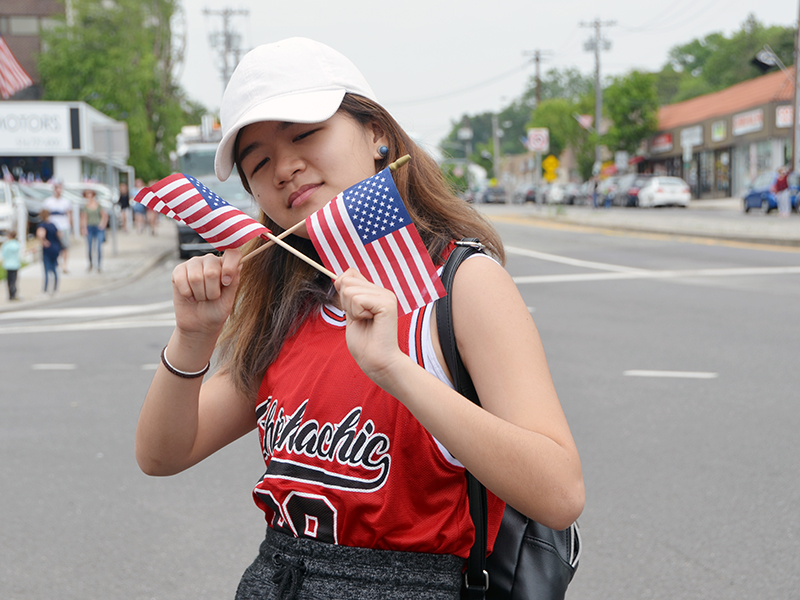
61, 216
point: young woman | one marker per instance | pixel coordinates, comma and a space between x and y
364, 439
94, 219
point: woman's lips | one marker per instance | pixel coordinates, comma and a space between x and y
301, 195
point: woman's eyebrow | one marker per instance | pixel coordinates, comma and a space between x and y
246, 151
282, 126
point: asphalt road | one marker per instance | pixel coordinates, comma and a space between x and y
675, 363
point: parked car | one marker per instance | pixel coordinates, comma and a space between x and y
493, 194
585, 193
628, 189
11, 202
525, 193
759, 196
555, 193
665, 191
190, 243
571, 193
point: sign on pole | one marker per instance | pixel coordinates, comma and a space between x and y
538, 139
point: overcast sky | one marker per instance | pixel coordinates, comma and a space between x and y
429, 62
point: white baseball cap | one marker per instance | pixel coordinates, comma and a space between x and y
296, 80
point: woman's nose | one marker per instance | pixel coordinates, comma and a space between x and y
288, 165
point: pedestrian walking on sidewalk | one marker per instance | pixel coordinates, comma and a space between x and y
12, 262
94, 219
139, 210
782, 192
60, 209
365, 441
48, 235
124, 206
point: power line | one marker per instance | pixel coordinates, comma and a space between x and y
475, 86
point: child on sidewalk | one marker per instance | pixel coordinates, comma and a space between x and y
12, 261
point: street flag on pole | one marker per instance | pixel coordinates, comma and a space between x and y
184, 198
368, 227
13, 77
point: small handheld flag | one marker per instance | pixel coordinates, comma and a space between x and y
368, 227
184, 198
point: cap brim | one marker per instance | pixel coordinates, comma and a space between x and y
306, 107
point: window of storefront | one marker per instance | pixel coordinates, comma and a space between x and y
722, 177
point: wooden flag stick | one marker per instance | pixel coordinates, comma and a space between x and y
399, 162
302, 256
269, 244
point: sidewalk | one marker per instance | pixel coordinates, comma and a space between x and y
718, 219
124, 259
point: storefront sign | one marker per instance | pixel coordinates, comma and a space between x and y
719, 129
661, 143
25, 127
784, 116
748, 122
692, 136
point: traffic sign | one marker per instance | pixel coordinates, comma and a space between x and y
550, 164
538, 139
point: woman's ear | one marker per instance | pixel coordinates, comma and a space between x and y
379, 138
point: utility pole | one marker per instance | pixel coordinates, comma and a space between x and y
796, 109
227, 41
597, 43
538, 56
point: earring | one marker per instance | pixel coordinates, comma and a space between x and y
383, 151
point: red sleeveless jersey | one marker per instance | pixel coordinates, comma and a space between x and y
346, 462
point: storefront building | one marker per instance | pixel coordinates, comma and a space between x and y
68, 140
721, 141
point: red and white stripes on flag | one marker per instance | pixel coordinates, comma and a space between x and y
13, 77
184, 198
368, 227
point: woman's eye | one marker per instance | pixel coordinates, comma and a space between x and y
259, 165
304, 135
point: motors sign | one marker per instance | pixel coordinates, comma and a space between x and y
26, 128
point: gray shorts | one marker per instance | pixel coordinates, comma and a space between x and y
289, 568
63, 237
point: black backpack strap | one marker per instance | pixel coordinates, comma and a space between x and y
476, 577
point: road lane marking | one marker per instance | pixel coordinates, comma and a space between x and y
90, 326
53, 367
666, 274
575, 262
672, 374
82, 313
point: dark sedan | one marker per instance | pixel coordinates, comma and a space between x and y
758, 195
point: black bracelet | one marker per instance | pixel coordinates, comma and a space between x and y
183, 374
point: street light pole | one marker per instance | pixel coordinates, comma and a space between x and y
796, 109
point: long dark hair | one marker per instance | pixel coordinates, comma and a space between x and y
277, 291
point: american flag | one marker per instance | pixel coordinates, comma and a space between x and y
184, 198
13, 77
368, 227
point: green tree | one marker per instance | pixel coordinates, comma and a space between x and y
715, 62
117, 57
631, 103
